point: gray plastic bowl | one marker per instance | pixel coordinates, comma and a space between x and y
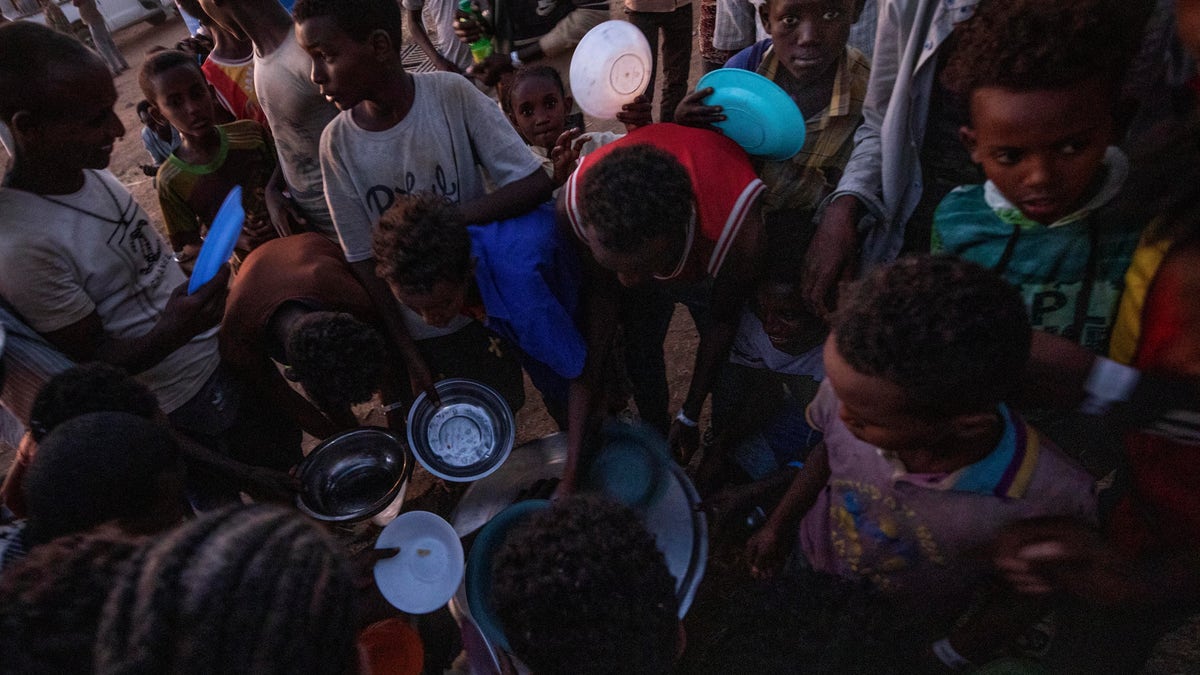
353, 475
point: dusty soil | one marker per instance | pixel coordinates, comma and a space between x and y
726, 584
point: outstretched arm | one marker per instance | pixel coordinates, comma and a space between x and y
184, 317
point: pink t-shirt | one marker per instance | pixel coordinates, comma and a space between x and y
908, 534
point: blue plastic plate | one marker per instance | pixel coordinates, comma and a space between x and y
479, 568
760, 116
222, 236
631, 467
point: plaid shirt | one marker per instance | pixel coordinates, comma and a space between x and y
800, 183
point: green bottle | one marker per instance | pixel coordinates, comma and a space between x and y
481, 48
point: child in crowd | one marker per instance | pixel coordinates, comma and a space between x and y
908, 154
922, 463
807, 56
296, 301
518, 277
294, 106
1142, 574
95, 468
775, 366
621, 615
401, 133
1042, 82
677, 210
246, 589
229, 67
158, 136
82, 264
210, 161
537, 104
91, 387
674, 19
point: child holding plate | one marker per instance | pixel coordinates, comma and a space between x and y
210, 161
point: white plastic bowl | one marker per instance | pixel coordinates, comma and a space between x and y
611, 67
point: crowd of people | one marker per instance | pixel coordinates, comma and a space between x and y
951, 346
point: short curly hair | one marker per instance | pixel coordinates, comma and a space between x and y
160, 62
635, 194
88, 388
356, 18
420, 241
98, 467
1035, 44
953, 335
336, 358
581, 588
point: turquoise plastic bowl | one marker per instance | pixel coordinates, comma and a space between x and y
479, 568
760, 116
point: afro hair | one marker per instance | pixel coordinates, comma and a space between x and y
581, 588
420, 241
635, 194
1033, 44
953, 335
336, 358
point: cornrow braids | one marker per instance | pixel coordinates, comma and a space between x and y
248, 589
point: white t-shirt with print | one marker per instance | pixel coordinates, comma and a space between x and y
65, 256
451, 136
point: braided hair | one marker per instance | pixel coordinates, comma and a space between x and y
247, 589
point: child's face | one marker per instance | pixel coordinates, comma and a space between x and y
789, 326
182, 97
539, 111
439, 306
1043, 149
341, 66
876, 410
78, 127
809, 35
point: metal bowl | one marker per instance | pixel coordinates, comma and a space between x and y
465, 439
353, 475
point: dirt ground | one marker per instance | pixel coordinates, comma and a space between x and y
716, 604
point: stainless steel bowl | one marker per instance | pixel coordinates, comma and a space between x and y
465, 439
353, 475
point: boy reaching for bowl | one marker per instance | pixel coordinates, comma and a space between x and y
400, 133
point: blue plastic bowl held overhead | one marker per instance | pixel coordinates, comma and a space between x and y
760, 116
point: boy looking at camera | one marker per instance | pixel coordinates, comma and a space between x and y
211, 159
